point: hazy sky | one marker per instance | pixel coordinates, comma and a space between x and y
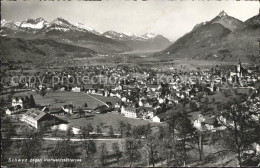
169, 18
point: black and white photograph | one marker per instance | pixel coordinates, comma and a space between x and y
130, 83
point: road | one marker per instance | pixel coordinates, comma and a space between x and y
95, 99
73, 139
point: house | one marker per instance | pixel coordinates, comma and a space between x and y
35, 117
17, 102
9, 111
198, 122
75, 89
13, 110
156, 119
102, 109
57, 112
148, 112
224, 121
128, 112
68, 108
204, 123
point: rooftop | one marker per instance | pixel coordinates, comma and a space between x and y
35, 114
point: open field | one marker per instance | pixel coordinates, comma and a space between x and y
105, 119
60, 98
140, 52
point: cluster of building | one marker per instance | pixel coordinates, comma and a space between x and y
144, 93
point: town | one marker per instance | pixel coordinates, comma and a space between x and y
124, 102
130, 84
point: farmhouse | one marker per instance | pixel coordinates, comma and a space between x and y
35, 117
68, 108
156, 119
56, 112
128, 112
75, 89
102, 109
17, 102
10, 111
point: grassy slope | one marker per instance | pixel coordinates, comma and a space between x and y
214, 42
58, 99
39, 50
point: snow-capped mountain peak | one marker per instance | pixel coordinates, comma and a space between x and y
128, 36
37, 23
84, 27
8, 24
148, 35
60, 21
17, 23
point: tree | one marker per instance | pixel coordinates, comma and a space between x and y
180, 126
55, 131
9, 98
89, 146
81, 112
26, 102
241, 129
32, 101
43, 91
7, 131
166, 149
148, 130
85, 131
69, 132
102, 155
116, 152
63, 149
184, 129
89, 129
132, 150
151, 144
193, 106
18, 144
45, 126
99, 130
122, 127
90, 149
111, 131
128, 131
31, 146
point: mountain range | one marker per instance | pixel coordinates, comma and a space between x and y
224, 38
80, 35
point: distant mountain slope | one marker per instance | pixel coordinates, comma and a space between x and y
227, 21
158, 42
78, 34
148, 41
39, 50
198, 43
244, 41
62, 31
224, 38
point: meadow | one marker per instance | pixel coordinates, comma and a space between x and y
59, 98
